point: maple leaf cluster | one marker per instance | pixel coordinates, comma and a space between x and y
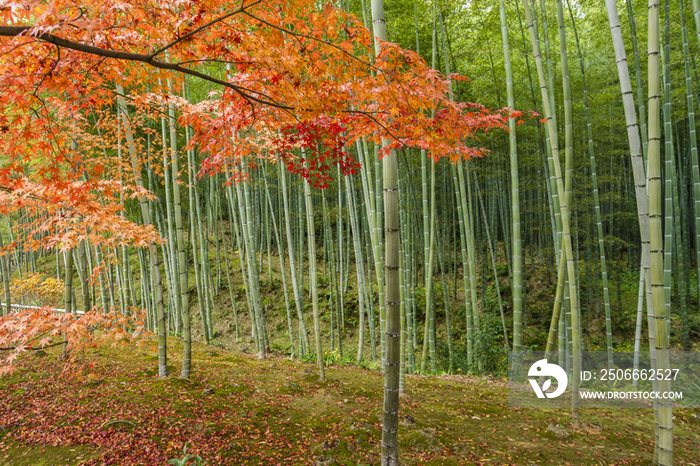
325, 146
288, 76
61, 214
35, 329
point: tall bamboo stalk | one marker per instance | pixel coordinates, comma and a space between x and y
68, 303
296, 287
390, 423
596, 201
564, 216
669, 224
465, 265
517, 283
153, 252
184, 297
244, 207
493, 263
359, 267
313, 279
638, 78
690, 102
664, 443
640, 180
281, 257
4, 262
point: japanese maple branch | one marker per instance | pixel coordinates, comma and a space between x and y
10, 348
201, 28
316, 39
379, 123
15, 31
29, 342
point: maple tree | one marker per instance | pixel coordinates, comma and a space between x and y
293, 68
36, 330
300, 77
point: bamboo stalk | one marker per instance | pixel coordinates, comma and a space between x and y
564, 216
664, 442
313, 276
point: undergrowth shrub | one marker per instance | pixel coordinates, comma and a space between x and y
348, 358
36, 290
487, 347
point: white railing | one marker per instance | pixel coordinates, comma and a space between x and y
23, 307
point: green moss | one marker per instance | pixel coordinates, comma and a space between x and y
260, 410
422, 440
22, 455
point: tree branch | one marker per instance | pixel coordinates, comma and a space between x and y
16, 31
10, 348
201, 28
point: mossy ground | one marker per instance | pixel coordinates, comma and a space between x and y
239, 410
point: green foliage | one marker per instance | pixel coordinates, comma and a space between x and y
347, 359
218, 343
691, 392
489, 349
502, 269
492, 298
627, 347
371, 365
185, 460
329, 358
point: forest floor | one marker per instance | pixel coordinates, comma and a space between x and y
115, 410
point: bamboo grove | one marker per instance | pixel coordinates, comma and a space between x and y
572, 226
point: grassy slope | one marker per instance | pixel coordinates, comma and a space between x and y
277, 412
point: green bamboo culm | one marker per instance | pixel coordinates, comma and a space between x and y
664, 442
638, 78
690, 102
390, 423
566, 236
313, 278
515, 193
669, 224
573, 314
296, 287
441, 255
184, 297
153, 252
359, 267
429, 343
636, 147
280, 252
84, 277
4, 262
465, 265
68, 303
244, 208
596, 201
